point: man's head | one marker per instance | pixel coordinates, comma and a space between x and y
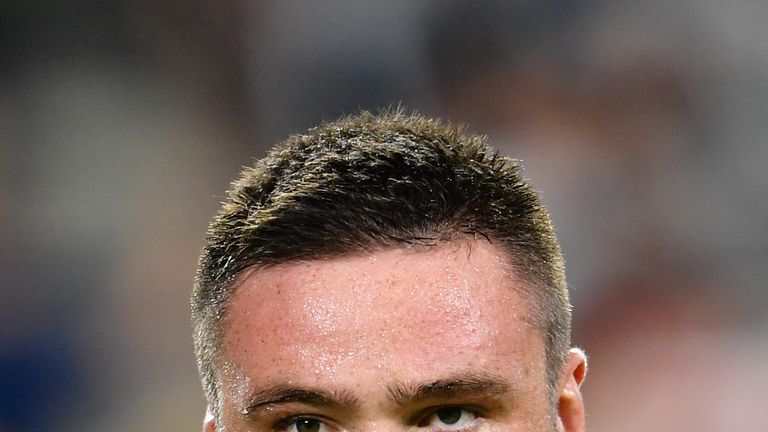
391, 254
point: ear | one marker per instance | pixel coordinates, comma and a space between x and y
570, 403
209, 423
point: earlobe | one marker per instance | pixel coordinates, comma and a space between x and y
209, 423
570, 402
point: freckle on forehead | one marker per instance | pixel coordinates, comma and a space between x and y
384, 314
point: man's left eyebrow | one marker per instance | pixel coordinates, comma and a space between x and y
462, 384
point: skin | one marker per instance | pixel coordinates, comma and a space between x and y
433, 339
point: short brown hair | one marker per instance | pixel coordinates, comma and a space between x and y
367, 182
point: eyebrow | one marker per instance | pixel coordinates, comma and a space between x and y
283, 394
481, 385
463, 384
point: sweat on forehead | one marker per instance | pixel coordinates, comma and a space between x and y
374, 278
372, 313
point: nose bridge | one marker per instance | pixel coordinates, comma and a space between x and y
381, 425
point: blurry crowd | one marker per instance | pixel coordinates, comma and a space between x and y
642, 123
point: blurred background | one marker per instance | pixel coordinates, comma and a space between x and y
642, 123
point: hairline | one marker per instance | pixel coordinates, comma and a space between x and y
533, 247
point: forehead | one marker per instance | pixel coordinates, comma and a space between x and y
400, 313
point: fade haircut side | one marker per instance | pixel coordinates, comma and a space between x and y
370, 182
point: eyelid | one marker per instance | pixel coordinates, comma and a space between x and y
425, 413
284, 422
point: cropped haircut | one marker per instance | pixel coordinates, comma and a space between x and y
371, 182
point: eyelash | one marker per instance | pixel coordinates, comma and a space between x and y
427, 414
284, 423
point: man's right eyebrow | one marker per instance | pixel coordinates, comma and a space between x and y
283, 394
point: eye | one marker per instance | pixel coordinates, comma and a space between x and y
302, 424
449, 418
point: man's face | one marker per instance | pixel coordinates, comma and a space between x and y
433, 339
